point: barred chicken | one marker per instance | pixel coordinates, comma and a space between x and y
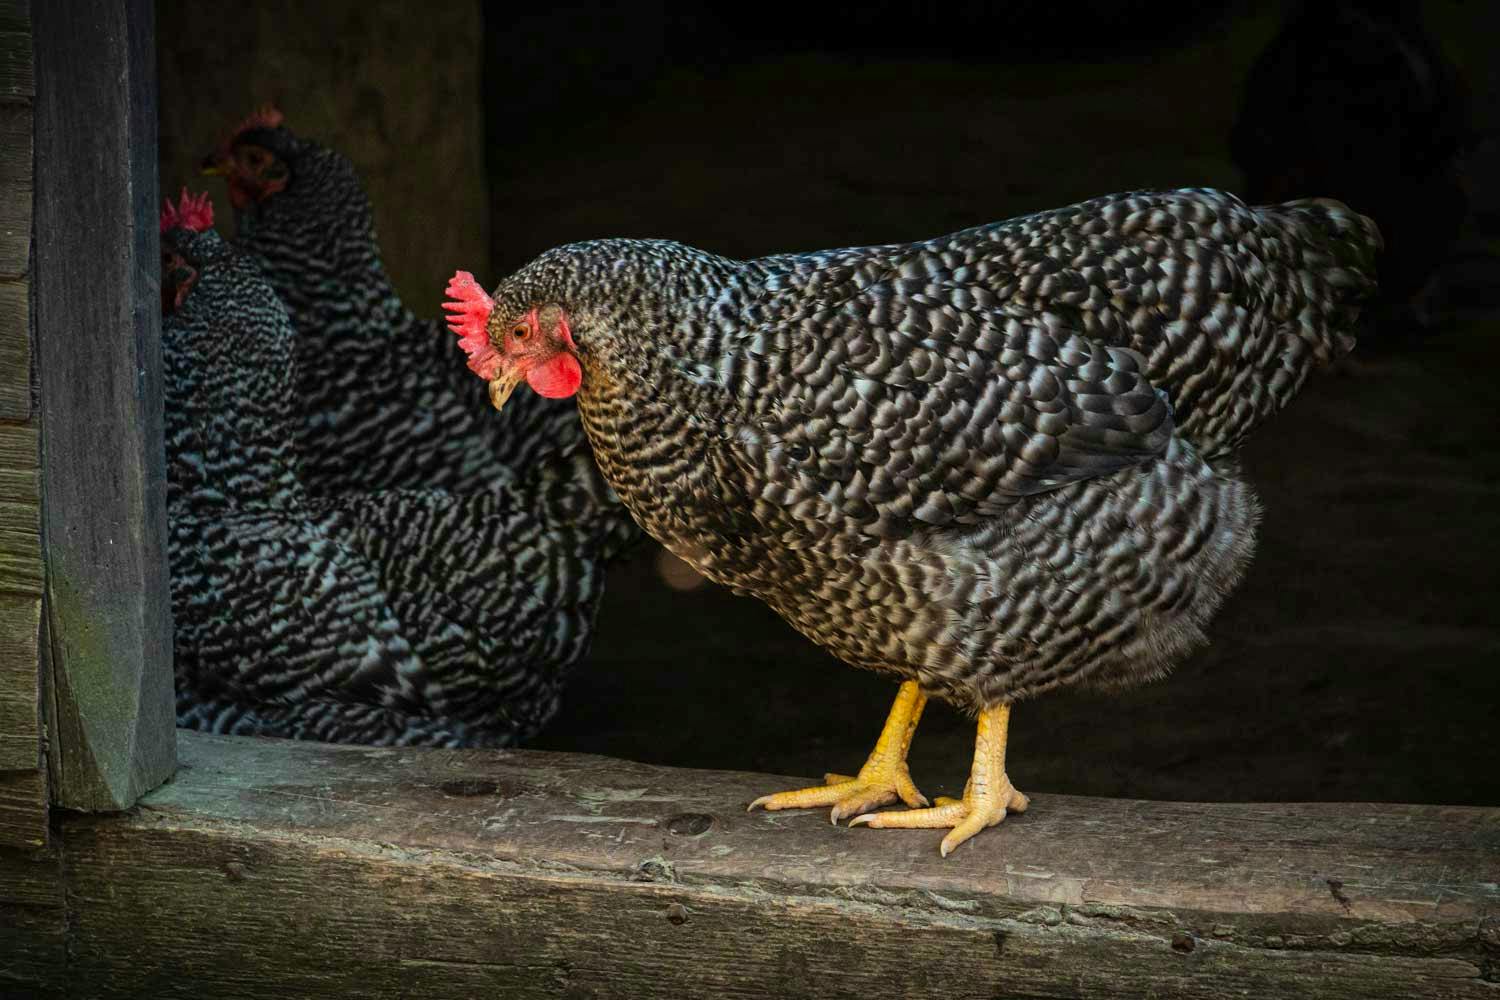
990, 464
395, 617
381, 399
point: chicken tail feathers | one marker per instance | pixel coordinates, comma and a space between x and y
1336, 251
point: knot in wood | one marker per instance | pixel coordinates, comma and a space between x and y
690, 824
468, 787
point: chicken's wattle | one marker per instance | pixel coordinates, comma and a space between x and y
556, 378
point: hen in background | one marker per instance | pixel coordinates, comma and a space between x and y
383, 395
397, 617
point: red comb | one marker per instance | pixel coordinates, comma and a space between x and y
265, 116
190, 212
469, 308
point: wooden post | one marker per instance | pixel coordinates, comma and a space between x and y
98, 314
23, 785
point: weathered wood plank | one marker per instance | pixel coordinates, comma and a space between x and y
15, 15
19, 457
15, 188
33, 924
97, 308
20, 510
15, 351
20, 699
20, 548
15, 65
23, 808
454, 874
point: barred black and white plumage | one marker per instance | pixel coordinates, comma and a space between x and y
991, 463
995, 461
383, 395
388, 617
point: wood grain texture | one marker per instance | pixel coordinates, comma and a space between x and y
96, 303
15, 15
20, 548
20, 511
15, 64
23, 808
20, 699
462, 873
15, 260
33, 942
15, 190
15, 351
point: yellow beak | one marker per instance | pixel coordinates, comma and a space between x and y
502, 387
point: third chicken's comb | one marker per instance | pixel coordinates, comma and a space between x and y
193, 212
265, 116
468, 309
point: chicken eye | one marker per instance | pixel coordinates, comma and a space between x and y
521, 332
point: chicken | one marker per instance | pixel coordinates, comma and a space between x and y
990, 464
393, 617
382, 402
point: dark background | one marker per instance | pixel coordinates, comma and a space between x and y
1360, 659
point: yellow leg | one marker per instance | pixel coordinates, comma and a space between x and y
987, 797
882, 780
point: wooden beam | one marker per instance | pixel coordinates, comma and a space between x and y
15, 189
273, 869
15, 15
23, 808
20, 698
20, 516
33, 946
15, 260
95, 298
15, 352
15, 61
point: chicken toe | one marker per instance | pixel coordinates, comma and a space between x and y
988, 796
884, 779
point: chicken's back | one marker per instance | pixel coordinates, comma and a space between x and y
1230, 305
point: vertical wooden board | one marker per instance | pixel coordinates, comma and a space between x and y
15, 64
20, 548
20, 700
33, 923
23, 808
15, 351
19, 458
20, 521
15, 190
95, 300
15, 15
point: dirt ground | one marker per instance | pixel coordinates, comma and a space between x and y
1360, 659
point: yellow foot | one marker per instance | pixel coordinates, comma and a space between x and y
879, 783
967, 816
884, 778
988, 796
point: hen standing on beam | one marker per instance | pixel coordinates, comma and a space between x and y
990, 464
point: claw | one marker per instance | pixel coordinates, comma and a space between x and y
987, 798
884, 778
